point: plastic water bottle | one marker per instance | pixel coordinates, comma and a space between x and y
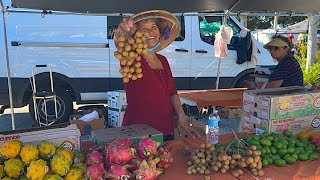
213, 128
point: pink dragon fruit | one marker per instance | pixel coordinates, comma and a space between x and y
94, 158
165, 158
118, 172
147, 148
95, 172
134, 163
148, 170
316, 142
120, 151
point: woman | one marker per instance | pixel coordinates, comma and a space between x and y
288, 71
153, 99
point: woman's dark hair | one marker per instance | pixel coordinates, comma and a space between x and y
283, 38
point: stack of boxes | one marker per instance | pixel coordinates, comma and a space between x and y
117, 104
280, 109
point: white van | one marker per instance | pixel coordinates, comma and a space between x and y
80, 49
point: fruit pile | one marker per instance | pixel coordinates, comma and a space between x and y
121, 159
231, 157
45, 161
129, 51
283, 149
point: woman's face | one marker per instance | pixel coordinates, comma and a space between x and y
278, 53
150, 27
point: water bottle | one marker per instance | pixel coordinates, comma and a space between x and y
212, 129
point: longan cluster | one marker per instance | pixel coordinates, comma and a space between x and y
207, 159
129, 54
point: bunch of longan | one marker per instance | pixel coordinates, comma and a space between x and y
129, 54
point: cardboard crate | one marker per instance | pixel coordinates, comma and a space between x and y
87, 127
117, 100
258, 125
134, 132
281, 103
115, 118
64, 135
230, 113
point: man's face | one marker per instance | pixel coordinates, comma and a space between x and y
277, 52
150, 27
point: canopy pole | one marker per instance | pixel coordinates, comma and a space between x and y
8, 64
224, 22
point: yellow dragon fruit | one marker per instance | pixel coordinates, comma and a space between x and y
81, 166
74, 174
52, 177
13, 167
10, 149
1, 171
67, 153
60, 165
46, 150
37, 170
29, 153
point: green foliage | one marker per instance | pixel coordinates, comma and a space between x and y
265, 22
312, 75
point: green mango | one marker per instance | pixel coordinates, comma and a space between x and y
290, 150
263, 151
277, 145
299, 144
265, 142
268, 151
282, 152
295, 156
274, 157
270, 161
303, 157
280, 162
270, 138
313, 157
304, 141
289, 159
265, 162
288, 133
273, 150
318, 149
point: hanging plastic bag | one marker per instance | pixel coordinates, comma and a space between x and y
222, 38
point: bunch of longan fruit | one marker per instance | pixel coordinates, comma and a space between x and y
207, 159
129, 54
200, 160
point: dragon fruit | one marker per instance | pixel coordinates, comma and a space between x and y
316, 142
165, 158
147, 148
94, 158
148, 170
120, 151
95, 172
134, 163
118, 172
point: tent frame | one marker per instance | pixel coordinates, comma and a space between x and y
226, 14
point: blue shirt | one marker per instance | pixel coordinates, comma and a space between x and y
289, 71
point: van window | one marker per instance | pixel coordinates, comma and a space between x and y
113, 22
210, 25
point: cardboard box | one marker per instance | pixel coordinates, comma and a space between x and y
115, 118
258, 125
87, 127
281, 103
230, 113
60, 135
134, 132
117, 100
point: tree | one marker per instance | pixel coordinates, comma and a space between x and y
265, 22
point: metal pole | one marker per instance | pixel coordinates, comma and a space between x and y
218, 74
275, 23
8, 64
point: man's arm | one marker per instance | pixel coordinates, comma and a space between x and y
274, 84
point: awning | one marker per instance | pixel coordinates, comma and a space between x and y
173, 6
300, 27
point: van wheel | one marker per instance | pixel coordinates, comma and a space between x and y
64, 108
242, 81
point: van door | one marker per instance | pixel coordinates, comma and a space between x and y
178, 54
203, 62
